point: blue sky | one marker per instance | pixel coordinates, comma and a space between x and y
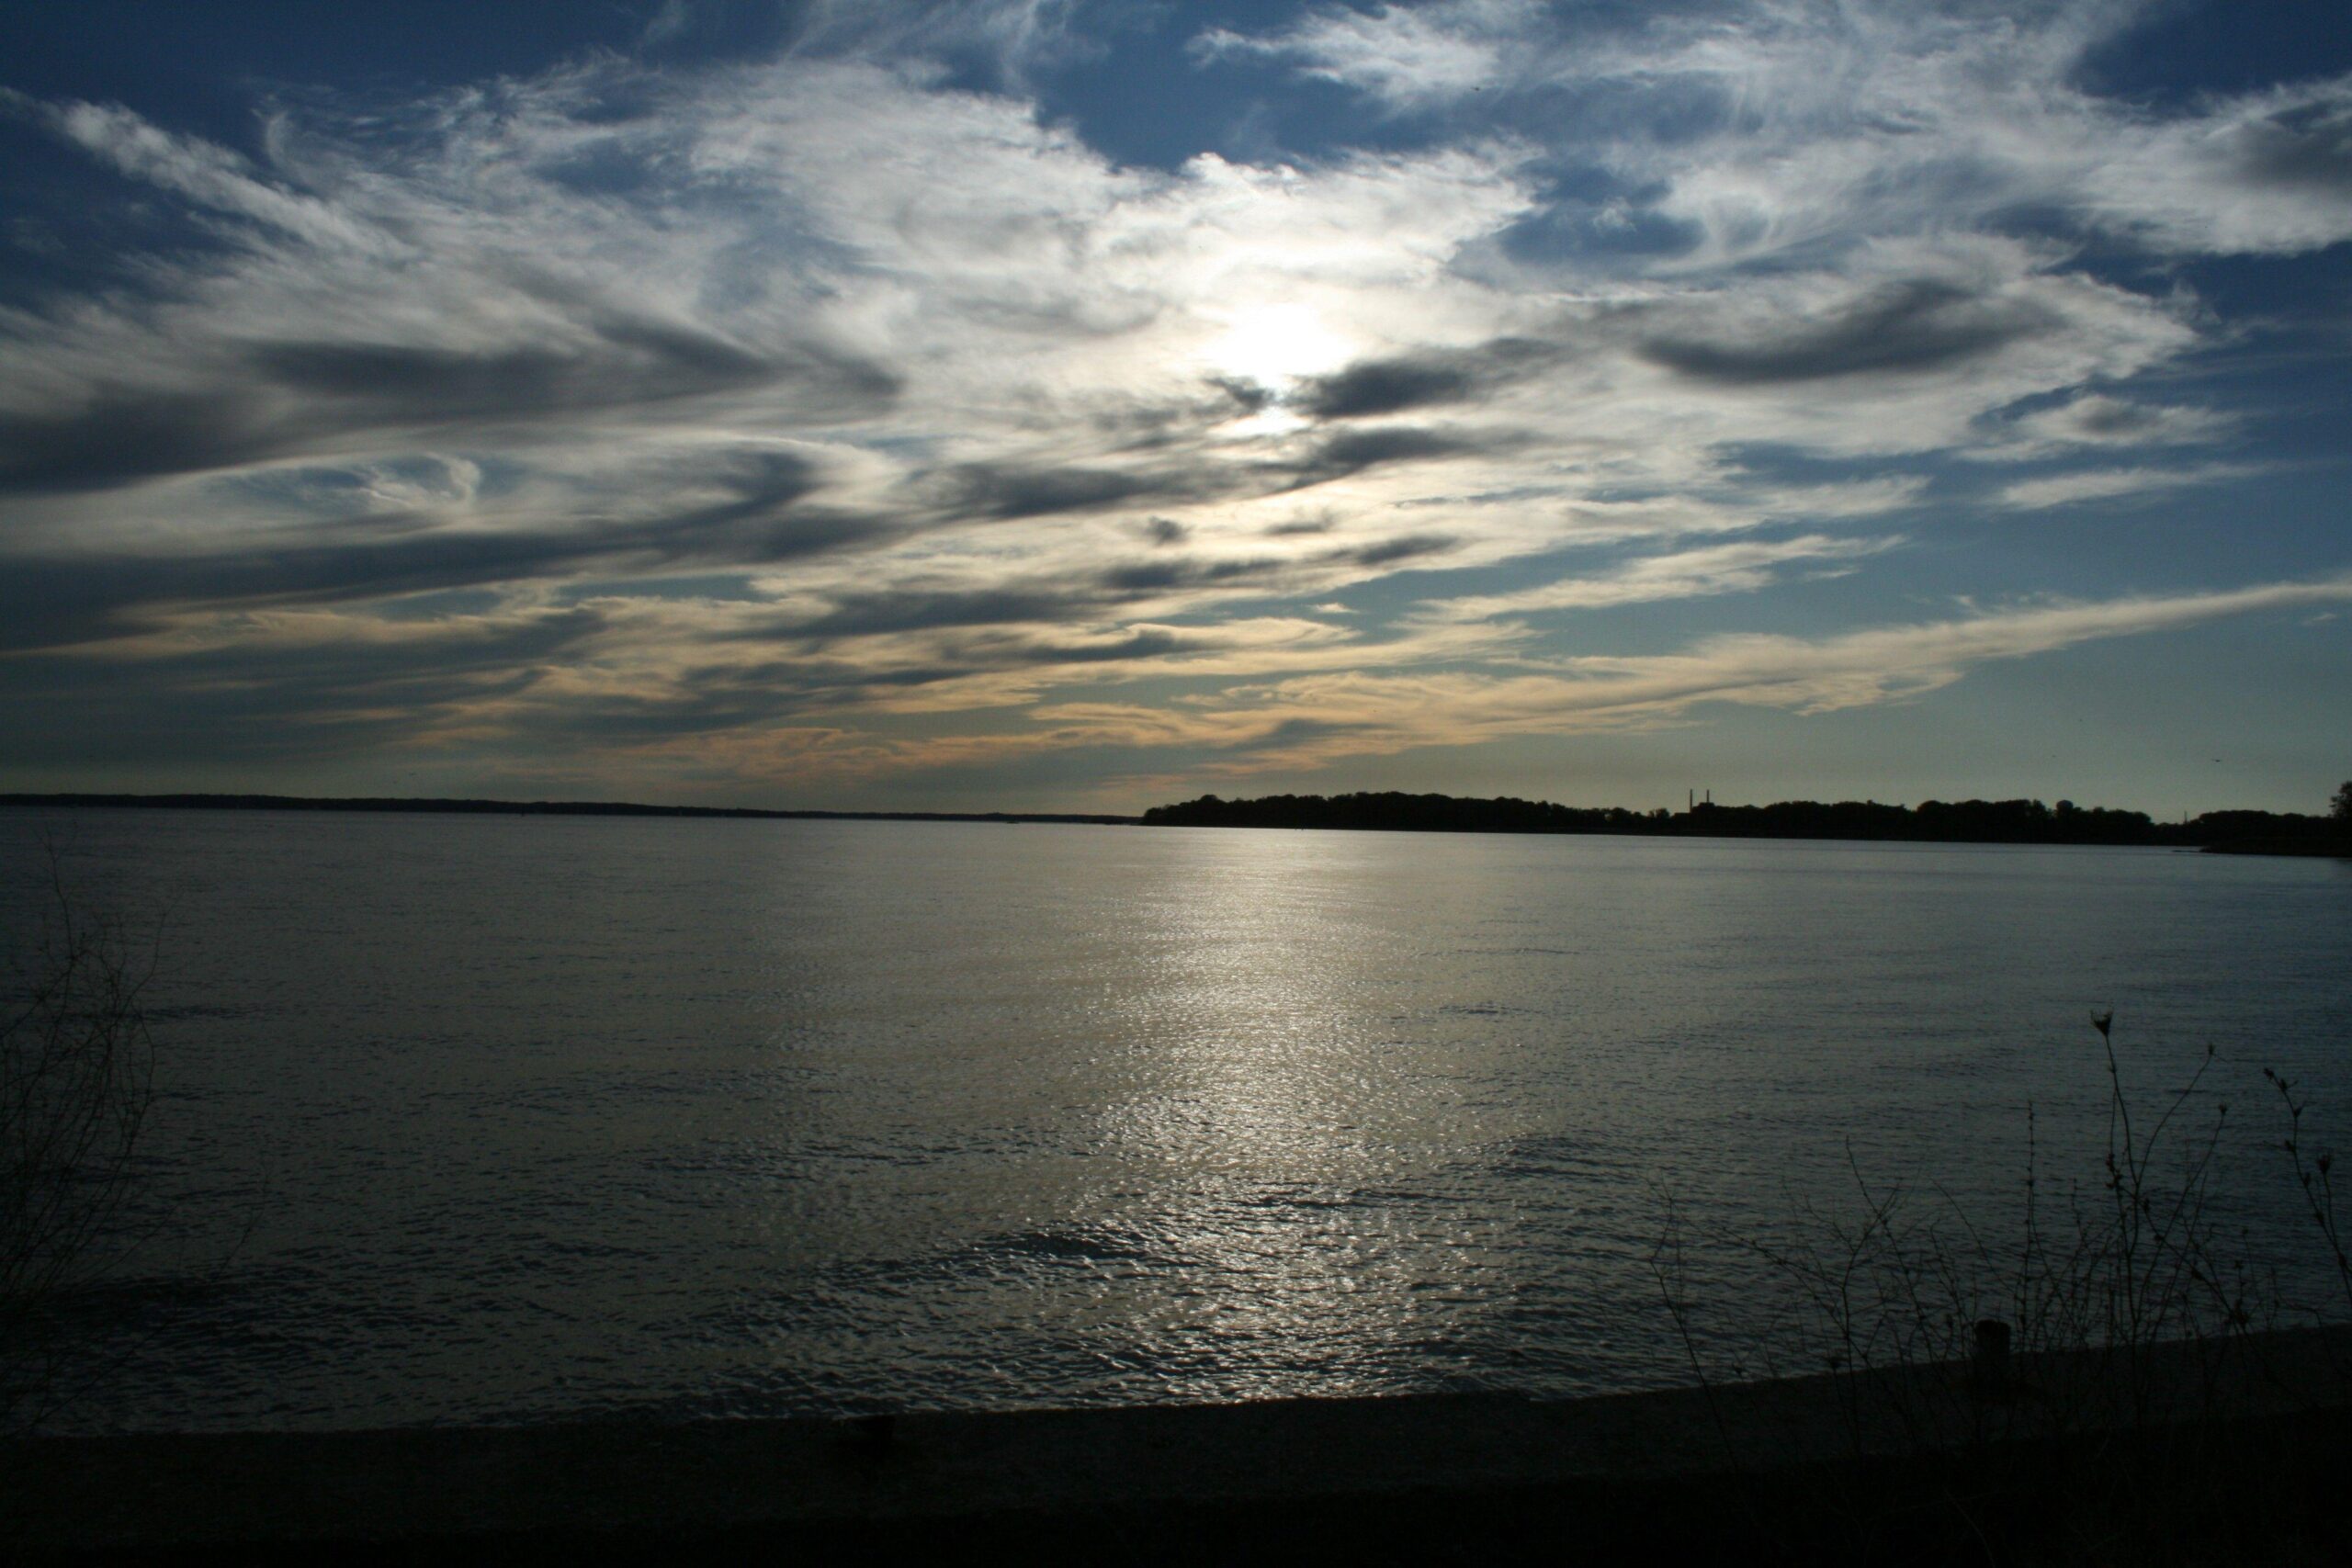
1081, 406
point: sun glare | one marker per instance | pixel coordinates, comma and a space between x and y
1274, 344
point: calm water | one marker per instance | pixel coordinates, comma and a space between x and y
516, 1118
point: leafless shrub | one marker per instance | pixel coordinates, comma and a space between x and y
2091, 1426
76, 1079
1898, 1279
2314, 1174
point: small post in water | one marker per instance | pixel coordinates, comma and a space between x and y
1989, 1366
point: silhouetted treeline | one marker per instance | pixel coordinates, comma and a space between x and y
1964, 822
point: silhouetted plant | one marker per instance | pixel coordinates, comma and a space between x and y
2314, 1173
1887, 1296
1891, 1285
76, 1079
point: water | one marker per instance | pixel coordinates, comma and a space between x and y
484, 1119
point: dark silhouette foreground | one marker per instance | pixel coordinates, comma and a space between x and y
2217, 1451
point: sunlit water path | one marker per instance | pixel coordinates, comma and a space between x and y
480, 1119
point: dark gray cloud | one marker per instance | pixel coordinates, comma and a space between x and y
765, 481
1384, 386
1402, 383
1151, 425
1353, 451
120, 434
439, 383
733, 697
1006, 492
1040, 602
1166, 531
625, 362
2113, 418
998, 650
1918, 325
869, 614
257, 702
1405, 548
2308, 147
45, 602
1247, 397
1160, 576
286, 398
48, 602
253, 702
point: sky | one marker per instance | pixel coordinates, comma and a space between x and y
1038, 404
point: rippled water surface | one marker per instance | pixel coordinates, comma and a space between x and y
516, 1118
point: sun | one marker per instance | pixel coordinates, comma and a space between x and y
1276, 344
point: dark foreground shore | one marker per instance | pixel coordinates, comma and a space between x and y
2215, 1452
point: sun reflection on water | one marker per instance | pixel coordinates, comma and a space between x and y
728, 1120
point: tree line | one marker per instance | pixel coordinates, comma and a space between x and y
1962, 821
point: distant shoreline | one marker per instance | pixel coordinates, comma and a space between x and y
1931, 822
527, 808
1963, 822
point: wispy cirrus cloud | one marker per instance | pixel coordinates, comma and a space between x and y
1771, 129
1373, 713
2099, 422
2110, 484
1703, 573
214, 177
1408, 56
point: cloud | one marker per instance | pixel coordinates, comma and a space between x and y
1703, 573
1952, 313
1919, 324
863, 615
1354, 452
1430, 378
2096, 420
117, 435
869, 419
285, 689
2267, 171
1780, 129
201, 171
738, 509
1003, 490
1013, 38
1407, 547
1356, 713
1406, 56
2110, 484
1384, 386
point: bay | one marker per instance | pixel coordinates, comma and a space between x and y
521, 1119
